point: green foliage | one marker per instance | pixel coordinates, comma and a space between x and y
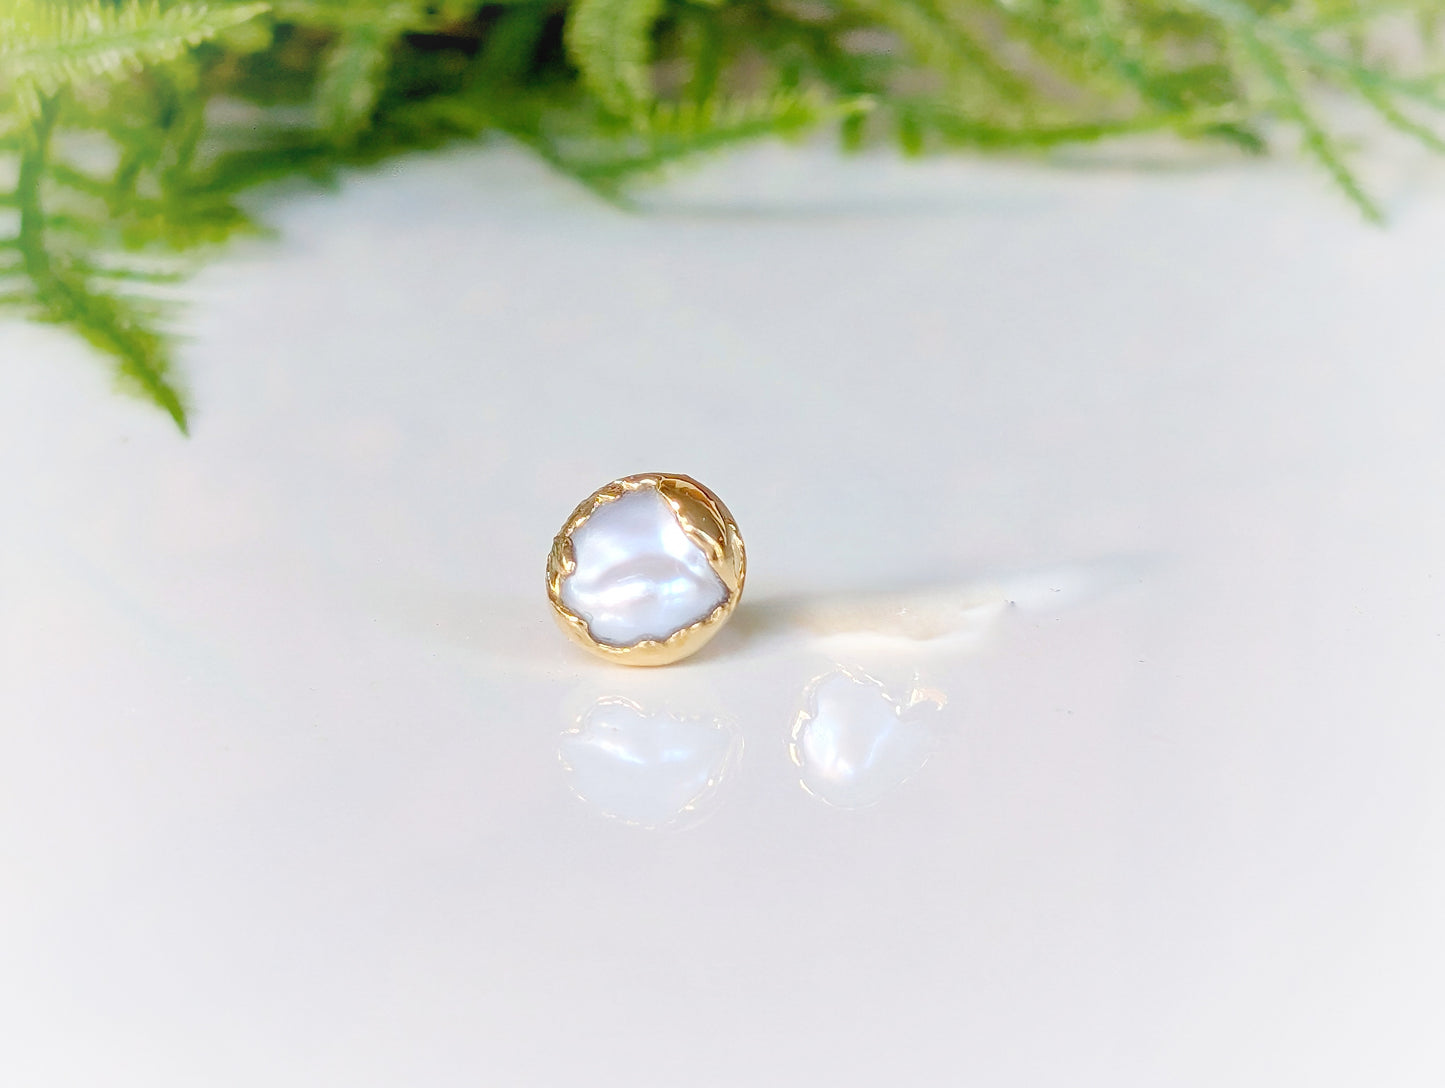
47, 46
128, 128
610, 42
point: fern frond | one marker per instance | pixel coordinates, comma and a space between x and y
356, 64
671, 132
1400, 121
1305, 44
142, 360
508, 51
962, 130
610, 42
379, 15
114, 271
1316, 137
944, 44
52, 45
351, 80
58, 291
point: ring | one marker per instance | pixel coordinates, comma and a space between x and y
646, 570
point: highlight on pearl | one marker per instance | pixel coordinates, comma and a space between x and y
647, 569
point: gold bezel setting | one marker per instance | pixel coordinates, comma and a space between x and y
705, 521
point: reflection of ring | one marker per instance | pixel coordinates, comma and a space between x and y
853, 742
646, 570
658, 770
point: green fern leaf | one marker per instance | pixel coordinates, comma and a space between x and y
351, 81
355, 67
1317, 139
942, 43
119, 329
610, 41
671, 132
46, 46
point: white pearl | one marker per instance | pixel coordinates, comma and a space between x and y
638, 576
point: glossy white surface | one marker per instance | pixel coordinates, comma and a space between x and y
638, 576
1128, 483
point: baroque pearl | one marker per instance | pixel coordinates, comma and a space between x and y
638, 574
646, 569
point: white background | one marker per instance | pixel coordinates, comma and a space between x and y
1139, 473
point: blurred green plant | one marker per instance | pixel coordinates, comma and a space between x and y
129, 127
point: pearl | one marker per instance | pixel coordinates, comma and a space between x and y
639, 576
646, 570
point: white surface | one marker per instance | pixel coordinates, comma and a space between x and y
299, 785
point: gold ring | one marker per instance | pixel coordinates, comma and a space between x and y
647, 569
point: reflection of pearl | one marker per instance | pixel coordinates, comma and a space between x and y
853, 743
649, 770
638, 575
